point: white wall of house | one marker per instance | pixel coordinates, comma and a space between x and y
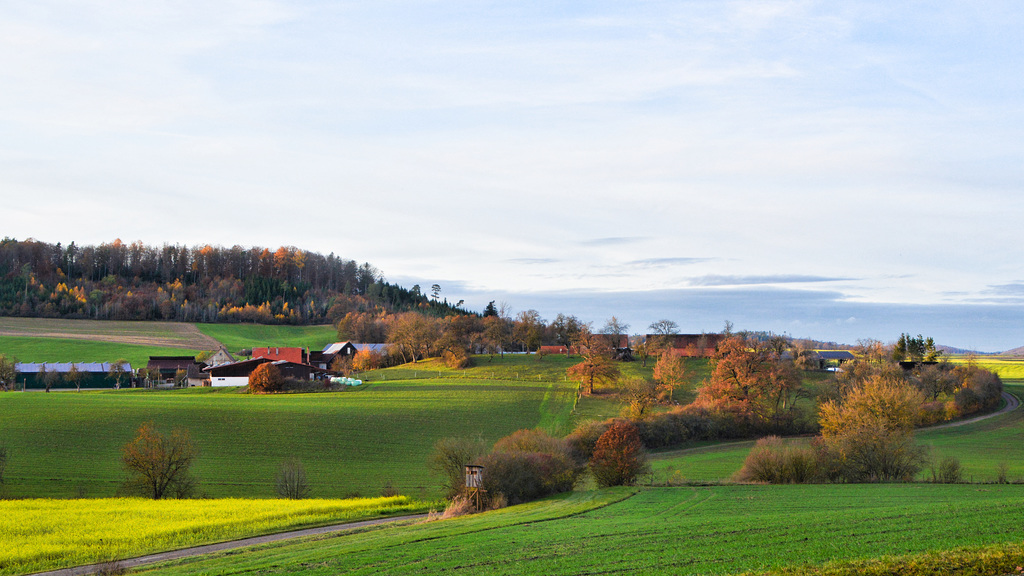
230, 380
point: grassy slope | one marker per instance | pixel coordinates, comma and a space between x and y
234, 337
706, 530
36, 349
69, 443
980, 447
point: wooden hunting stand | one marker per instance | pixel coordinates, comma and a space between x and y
474, 484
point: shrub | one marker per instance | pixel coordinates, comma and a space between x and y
265, 378
529, 464
619, 457
389, 490
291, 480
1002, 472
524, 476
948, 471
771, 460
584, 437
449, 460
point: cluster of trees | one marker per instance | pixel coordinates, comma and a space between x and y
531, 464
119, 281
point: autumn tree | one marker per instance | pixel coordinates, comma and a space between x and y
619, 457
497, 334
670, 373
640, 394
597, 365
528, 329
750, 383
567, 330
871, 431
158, 464
265, 378
8, 372
413, 334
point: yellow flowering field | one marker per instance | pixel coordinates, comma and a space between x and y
44, 534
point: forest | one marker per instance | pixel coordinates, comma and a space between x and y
118, 281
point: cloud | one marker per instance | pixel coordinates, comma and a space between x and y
719, 280
662, 262
532, 261
613, 241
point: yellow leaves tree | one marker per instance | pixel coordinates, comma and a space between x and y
670, 373
871, 432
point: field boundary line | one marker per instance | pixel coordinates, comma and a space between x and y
131, 563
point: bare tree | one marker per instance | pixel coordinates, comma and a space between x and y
158, 464
74, 377
291, 480
117, 371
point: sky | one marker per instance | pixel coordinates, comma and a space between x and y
830, 170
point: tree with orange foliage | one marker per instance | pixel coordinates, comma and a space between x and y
159, 464
670, 373
265, 378
597, 365
619, 457
751, 383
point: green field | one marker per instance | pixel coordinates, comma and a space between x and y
69, 444
235, 337
690, 530
37, 349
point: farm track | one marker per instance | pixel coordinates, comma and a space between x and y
159, 334
132, 563
1011, 404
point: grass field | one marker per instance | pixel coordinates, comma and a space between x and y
235, 337
37, 535
69, 444
692, 530
39, 349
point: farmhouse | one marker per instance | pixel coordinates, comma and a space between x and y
168, 367
92, 374
237, 373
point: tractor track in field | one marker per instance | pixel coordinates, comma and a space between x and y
140, 561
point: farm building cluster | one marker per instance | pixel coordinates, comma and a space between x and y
218, 369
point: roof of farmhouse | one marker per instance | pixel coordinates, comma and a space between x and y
25, 367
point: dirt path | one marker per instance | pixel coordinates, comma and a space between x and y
131, 563
1011, 404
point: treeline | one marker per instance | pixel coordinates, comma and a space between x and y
119, 281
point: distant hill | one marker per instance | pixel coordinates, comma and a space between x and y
119, 281
1019, 351
952, 350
